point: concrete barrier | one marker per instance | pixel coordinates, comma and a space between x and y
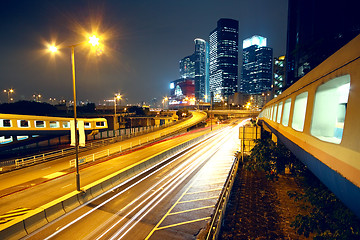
115, 181
84, 196
54, 211
106, 185
14, 231
35, 220
70, 203
96, 190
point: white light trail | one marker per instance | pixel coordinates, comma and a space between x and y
118, 194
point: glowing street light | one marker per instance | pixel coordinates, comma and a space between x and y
9, 91
163, 102
53, 49
117, 97
37, 97
94, 41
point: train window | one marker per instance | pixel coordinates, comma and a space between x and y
23, 123
54, 124
19, 138
279, 112
286, 113
6, 139
329, 109
66, 124
87, 125
298, 119
39, 124
5, 123
275, 111
100, 124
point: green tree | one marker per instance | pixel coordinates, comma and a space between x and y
269, 157
328, 218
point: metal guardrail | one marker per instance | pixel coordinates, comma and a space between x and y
22, 162
217, 217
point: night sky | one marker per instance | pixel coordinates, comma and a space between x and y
143, 43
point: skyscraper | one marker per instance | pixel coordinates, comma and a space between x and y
195, 67
316, 30
256, 75
223, 59
279, 75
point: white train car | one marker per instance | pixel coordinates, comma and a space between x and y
27, 125
317, 118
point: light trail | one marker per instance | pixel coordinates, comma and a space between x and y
121, 192
179, 170
169, 189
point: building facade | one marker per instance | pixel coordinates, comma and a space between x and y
195, 67
256, 73
316, 30
223, 59
279, 76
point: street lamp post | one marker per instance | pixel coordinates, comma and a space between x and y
117, 97
75, 118
94, 41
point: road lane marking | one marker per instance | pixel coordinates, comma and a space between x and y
207, 184
54, 175
67, 185
210, 190
183, 223
174, 205
212, 178
190, 210
200, 199
10, 215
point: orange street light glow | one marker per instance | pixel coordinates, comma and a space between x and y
94, 40
53, 49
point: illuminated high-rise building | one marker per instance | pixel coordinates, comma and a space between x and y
279, 75
256, 74
195, 67
223, 59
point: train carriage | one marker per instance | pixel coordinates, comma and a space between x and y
317, 118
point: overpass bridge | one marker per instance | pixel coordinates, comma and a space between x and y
233, 113
27, 130
317, 118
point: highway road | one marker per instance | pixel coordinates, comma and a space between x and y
173, 200
34, 186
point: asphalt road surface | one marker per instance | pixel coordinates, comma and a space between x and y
34, 186
173, 200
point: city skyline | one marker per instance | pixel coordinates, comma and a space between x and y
144, 43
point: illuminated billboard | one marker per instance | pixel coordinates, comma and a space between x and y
254, 40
